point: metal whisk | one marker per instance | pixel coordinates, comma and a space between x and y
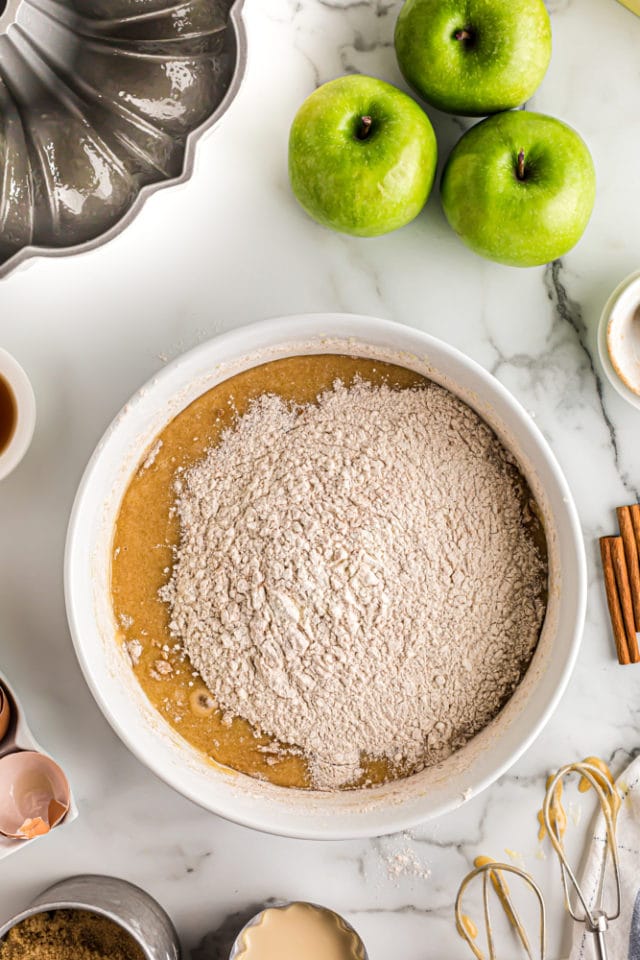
491, 873
596, 918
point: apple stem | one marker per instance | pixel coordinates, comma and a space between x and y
462, 35
521, 170
365, 128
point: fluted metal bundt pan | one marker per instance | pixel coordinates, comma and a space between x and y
100, 103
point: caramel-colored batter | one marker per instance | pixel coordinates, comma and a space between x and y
147, 531
300, 930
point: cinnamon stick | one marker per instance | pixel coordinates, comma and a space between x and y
624, 592
635, 521
613, 601
631, 553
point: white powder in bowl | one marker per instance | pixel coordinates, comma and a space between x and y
357, 577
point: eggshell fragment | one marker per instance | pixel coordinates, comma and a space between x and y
34, 795
5, 714
36, 827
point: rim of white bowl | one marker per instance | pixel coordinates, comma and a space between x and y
246, 341
603, 340
25, 402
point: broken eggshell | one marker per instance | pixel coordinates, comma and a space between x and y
34, 795
5, 714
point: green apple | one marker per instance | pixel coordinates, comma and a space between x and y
362, 156
519, 188
474, 57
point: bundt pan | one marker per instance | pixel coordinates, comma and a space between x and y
100, 104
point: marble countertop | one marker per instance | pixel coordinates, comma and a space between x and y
229, 247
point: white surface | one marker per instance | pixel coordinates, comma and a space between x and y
244, 800
230, 247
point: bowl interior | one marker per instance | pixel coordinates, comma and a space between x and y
294, 812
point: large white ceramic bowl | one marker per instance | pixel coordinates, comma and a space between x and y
261, 805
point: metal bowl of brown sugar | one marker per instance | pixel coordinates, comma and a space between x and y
143, 929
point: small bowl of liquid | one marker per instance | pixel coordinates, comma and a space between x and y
17, 413
297, 929
619, 339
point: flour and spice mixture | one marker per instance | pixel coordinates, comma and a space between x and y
328, 572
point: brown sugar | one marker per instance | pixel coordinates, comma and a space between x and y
69, 935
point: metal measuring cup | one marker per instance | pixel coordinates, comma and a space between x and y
131, 908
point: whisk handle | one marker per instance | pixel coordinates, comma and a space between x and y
598, 928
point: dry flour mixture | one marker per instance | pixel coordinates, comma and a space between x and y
358, 577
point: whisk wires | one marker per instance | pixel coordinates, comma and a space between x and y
492, 873
596, 917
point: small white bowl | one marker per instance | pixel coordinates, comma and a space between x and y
358, 950
25, 402
619, 339
299, 813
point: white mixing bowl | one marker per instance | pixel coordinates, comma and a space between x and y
298, 813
